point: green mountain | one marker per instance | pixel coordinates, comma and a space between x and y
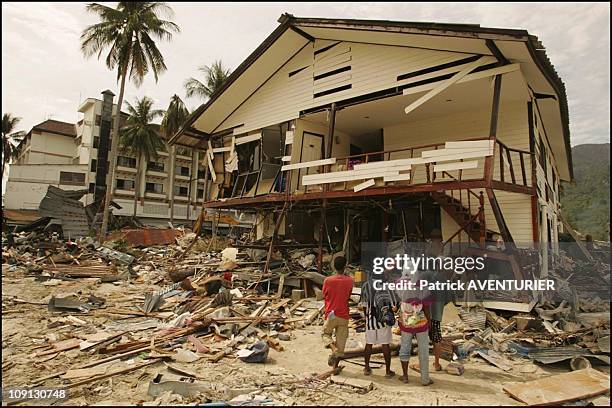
585, 203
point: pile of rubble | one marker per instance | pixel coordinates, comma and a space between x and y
171, 303
167, 301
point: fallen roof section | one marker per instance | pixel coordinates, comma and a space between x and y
65, 209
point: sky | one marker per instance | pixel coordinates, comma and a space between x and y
44, 74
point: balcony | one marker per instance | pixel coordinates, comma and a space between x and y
156, 173
120, 191
126, 169
182, 176
453, 165
150, 194
463, 163
181, 198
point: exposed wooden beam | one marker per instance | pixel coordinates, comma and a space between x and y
496, 52
501, 221
495, 106
444, 85
470, 77
330, 132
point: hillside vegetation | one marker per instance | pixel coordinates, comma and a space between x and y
586, 202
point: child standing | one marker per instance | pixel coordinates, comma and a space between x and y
414, 321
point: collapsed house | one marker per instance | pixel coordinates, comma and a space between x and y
339, 132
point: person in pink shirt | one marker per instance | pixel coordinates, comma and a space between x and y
413, 321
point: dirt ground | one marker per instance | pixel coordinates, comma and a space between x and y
284, 379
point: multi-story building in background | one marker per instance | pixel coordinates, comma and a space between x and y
66, 155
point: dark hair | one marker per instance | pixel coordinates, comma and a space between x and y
339, 263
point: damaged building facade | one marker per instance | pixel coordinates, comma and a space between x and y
338, 132
74, 156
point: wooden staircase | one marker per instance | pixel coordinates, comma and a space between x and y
464, 216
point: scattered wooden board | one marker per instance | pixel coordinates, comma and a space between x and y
560, 388
361, 385
364, 185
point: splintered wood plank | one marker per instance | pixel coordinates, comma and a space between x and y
397, 177
247, 139
364, 185
560, 388
456, 166
470, 144
304, 165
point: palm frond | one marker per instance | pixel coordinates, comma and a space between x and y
126, 33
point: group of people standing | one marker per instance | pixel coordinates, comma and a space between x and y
418, 314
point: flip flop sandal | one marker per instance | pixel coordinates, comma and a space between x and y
415, 368
403, 379
438, 367
390, 374
367, 371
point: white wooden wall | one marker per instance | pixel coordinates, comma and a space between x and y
513, 130
373, 67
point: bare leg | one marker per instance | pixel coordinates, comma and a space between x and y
404, 377
437, 349
387, 354
367, 353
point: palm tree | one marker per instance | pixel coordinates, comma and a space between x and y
214, 77
174, 118
9, 138
128, 31
139, 136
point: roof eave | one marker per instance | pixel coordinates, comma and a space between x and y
233, 76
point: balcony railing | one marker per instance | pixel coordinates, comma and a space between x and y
505, 164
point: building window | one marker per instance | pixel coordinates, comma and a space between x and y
181, 191
68, 177
98, 120
96, 142
200, 193
155, 166
94, 164
154, 188
92, 187
201, 174
125, 184
126, 161
182, 171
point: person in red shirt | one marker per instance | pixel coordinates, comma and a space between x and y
337, 290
